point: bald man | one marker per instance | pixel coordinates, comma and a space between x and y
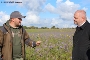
81, 38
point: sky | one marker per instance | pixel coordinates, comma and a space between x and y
44, 13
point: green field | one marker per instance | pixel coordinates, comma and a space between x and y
56, 44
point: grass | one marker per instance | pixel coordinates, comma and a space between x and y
56, 44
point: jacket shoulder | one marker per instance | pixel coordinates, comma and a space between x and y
3, 29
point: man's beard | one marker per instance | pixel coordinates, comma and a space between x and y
18, 25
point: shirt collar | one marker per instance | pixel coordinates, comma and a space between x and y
82, 24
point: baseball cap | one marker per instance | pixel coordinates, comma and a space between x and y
16, 14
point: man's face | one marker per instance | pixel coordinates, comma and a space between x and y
77, 19
17, 21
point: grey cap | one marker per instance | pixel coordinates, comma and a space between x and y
16, 14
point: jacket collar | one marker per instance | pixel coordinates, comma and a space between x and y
83, 26
8, 28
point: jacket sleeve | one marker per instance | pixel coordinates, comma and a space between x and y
28, 41
1, 41
1, 38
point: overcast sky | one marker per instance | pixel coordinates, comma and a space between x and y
44, 13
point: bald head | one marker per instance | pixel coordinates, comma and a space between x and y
79, 17
81, 14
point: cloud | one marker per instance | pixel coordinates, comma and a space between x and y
58, 1
31, 18
64, 10
3, 17
34, 7
84, 8
50, 8
31, 5
62, 23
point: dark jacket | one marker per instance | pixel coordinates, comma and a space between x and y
81, 42
6, 42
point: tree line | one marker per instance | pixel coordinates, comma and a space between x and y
33, 27
53, 27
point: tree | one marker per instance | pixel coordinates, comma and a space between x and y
53, 27
44, 28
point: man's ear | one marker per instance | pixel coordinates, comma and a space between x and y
12, 19
83, 18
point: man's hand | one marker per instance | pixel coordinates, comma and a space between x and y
38, 43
